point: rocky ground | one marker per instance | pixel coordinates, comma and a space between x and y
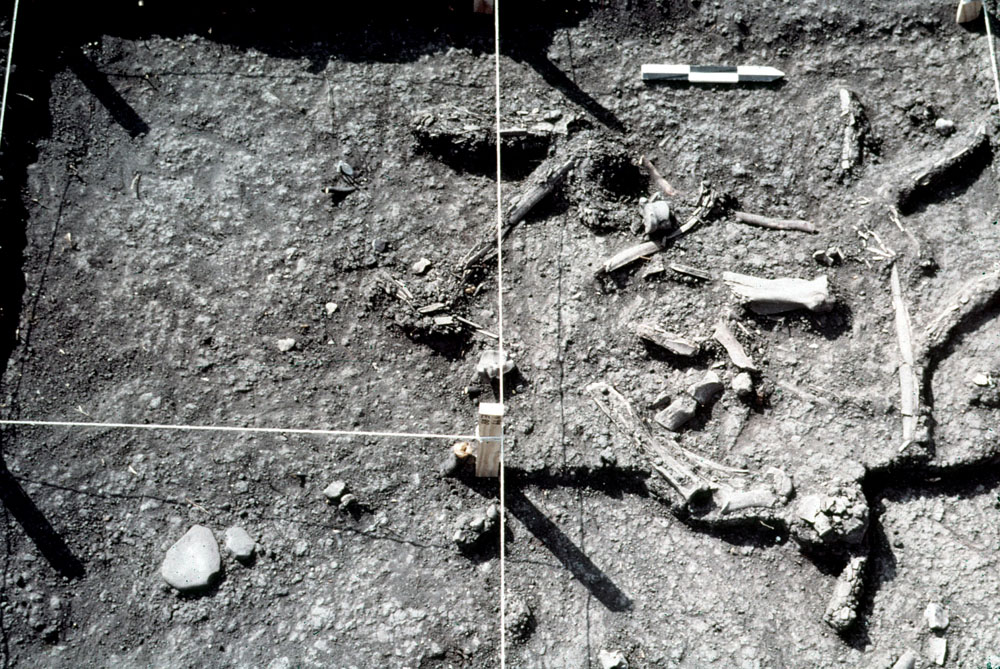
244, 217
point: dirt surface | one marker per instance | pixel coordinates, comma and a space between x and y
188, 189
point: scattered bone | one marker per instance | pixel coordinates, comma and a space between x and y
725, 336
774, 296
653, 268
490, 363
547, 177
937, 650
658, 179
743, 385
963, 153
674, 343
936, 617
909, 393
629, 256
714, 498
691, 271
842, 610
657, 218
680, 411
775, 223
831, 257
858, 138
707, 389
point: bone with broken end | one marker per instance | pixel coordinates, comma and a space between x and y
725, 336
671, 342
774, 296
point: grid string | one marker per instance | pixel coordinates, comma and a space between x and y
6, 76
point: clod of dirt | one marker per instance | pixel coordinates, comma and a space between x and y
193, 562
474, 528
843, 608
520, 620
239, 543
841, 516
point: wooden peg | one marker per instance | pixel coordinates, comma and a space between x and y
482, 6
490, 425
968, 10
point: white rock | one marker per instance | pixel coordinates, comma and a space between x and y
612, 659
944, 126
335, 491
490, 363
981, 379
908, 660
239, 543
331, 308
421, 266
936, 617
192, 562
743, 385
285, 345
937, 650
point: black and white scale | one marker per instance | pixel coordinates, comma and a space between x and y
711, 74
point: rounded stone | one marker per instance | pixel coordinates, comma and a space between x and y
193, 562
239, 543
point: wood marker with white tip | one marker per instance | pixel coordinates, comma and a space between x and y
490, 425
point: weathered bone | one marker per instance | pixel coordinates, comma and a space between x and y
725, 336
774, 296
909, 396
674, 343
842, 610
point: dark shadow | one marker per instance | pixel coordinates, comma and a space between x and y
948, 182
48, 541
743, 85
969, 323
614, 482
571, 557
830, 325
660, 354
97, 83
750, 532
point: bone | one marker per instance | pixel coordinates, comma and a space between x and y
628, 256
909, 396
725, 336
671, 342
775, 223
775, 296
740, 500
962, 154
857, 133
658, 179
842, 610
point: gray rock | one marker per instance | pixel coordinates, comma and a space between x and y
193, 562
612, 659
705, 391
743, 386
908, 660
380, 245
657, 218
239, 543
347, 501
335, 491
286, 345
520, 620
936, 617
680, 411
331, 308
473, 527
937, 650
421, 266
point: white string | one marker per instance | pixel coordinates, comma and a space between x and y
993, 53
6, 76
259, 430
503, 490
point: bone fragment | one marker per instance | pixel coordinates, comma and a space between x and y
629, 256
774, 296
658, 179
674, 343
909, 396
725, 336
775, 223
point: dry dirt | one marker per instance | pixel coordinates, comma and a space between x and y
173, 208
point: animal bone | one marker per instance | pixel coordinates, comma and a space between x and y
674, 343
775, 296
842, 610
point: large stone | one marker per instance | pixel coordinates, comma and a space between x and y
193, 562
680, 411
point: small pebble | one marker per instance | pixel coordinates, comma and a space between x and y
286, 345
945, 127
743, 385
421, 266
380, 245
612, 659
331, 308
239, 543
335, 491
345, 169
937, 650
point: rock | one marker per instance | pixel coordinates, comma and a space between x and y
743, 385
612, 659
937, 650
193, 562
705, 391
345, 169
286, 345
239, 543
657, 218
520, 620
680, 411
347, 501
490, 363
331, 308
936, 617
944, 126
380, 245
335, 491
421, 266
472, 529
980, 379
842, 610
908, 660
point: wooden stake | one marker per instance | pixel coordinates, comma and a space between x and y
968, 10
490, 425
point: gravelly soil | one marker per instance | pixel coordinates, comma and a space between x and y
168, 180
